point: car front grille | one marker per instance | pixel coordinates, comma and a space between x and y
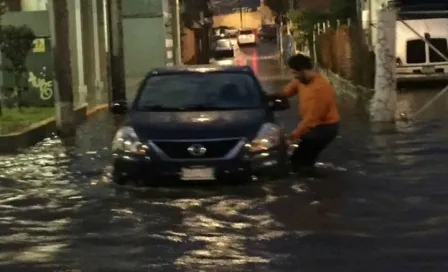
179, 149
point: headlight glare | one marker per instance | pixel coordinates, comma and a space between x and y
126, 140
267, 137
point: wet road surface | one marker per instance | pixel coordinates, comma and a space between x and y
383, 206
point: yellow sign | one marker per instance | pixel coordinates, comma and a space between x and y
39, 45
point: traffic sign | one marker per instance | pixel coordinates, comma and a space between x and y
39, 45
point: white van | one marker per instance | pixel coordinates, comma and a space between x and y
416, 61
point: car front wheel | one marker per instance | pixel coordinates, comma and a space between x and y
119, 178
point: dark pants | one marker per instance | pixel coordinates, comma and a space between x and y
312, 144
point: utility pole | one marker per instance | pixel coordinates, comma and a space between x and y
384, 102
176, 32
370, 21
116, 53
241, 13
63, 85
280, 39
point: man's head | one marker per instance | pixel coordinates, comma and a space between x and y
302, 68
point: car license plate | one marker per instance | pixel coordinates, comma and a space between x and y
428, 70
197, 173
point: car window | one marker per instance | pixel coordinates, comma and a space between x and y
246, 32
223, 43
201, 91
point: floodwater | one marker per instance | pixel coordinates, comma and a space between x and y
382, 207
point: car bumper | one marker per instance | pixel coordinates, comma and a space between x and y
224, 53
246, 41
403, 78
149, 170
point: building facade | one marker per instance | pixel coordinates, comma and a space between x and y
88, 40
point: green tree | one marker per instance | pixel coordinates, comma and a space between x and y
305, 19
280, 7
343, 9
3, 10
15, 44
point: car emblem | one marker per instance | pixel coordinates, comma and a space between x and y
197, 150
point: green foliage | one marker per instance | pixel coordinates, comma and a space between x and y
3, 10
15, 44
341, 10
14, 120
278, 6
305, 19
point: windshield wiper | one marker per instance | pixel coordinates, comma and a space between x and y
158, 108
202, 107
199, 107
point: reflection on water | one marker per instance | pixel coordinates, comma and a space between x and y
384, 193
381, 205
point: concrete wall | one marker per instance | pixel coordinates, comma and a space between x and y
146, 36
142, 8
250, 20
144, 44
38, 21
34, 5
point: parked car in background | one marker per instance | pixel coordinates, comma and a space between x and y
224, 49
233, 32
268, 32
416, 60
220, 32
246, 36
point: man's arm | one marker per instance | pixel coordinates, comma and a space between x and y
290, 89
316, 110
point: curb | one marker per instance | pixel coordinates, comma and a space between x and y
346, 86
12, 143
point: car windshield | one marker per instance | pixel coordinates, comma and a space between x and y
199, 91
223, 43
246, 32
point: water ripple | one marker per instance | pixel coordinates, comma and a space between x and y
381, 206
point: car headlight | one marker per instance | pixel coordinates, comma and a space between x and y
126, 140
267, 137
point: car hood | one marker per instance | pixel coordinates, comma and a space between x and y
197, 125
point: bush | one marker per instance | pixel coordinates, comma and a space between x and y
15, 44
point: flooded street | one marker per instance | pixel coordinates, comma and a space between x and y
382, 207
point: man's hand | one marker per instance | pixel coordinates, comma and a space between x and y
290, 89
294, 135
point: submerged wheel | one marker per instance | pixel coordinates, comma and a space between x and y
119, 178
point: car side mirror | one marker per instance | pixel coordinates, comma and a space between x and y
278, 103
119, 107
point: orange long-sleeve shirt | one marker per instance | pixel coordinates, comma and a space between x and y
316, 103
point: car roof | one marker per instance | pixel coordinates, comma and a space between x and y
209, 68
